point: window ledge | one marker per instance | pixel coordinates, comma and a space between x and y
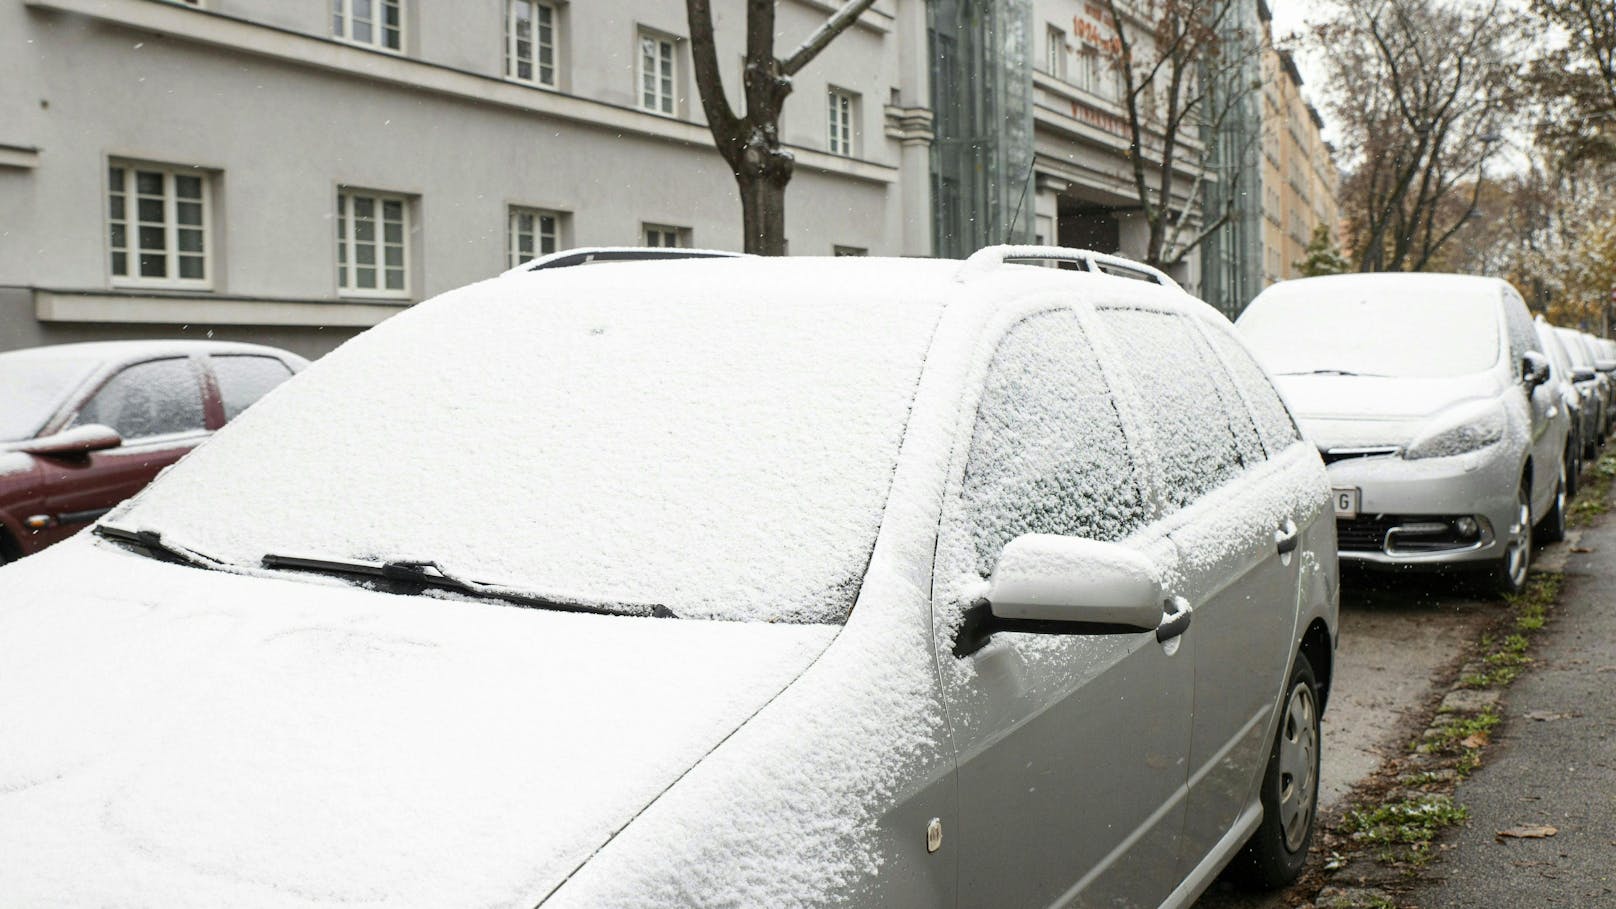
178, 307
23, 157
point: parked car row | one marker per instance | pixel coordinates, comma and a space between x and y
856, 581
1453, 425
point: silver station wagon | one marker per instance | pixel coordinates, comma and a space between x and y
730, 582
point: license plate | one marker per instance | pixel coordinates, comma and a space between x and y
1346, 502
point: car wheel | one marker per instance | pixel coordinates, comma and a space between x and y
1510, 570
1552, 529
1277, 851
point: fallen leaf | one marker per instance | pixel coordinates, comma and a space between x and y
1606, 669
1581, 549
1544, 716
1475, 741
1528, 832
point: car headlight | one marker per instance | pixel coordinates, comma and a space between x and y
1457, 430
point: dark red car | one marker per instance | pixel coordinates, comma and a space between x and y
85, 426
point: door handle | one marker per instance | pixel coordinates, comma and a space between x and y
1287, 537
1175, 623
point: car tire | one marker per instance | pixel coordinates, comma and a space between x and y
1509, 571
1552, 529
1277, 852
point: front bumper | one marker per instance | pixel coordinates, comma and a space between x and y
1411, 513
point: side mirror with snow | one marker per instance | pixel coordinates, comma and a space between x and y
1534, 369
79, 440
1047, 584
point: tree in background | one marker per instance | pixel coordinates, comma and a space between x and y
1184, 68
750, 142
1423, 92
1323, 257
1576, 79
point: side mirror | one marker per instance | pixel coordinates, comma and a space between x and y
1534, 369
1605, 365
1583, 374
1048, 584
76, 441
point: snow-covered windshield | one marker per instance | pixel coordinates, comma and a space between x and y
640, 442
33, 383
1372, 328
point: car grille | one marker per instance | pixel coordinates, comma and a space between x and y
1365, 533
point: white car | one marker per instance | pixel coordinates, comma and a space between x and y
1430, 398
731, 582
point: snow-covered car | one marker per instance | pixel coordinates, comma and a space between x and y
727, 582
85, 426
1430, 398
1563, 377
1594, 385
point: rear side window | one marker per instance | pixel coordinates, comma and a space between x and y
1184, 398
157, 398
1048, 453
1274, 424
244, 379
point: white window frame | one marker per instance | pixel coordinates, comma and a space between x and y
1055, 52
842, 111
349, 245
126, 189
542, 17
1088, 66
663, 98
343, 24
657, 234
839, 250
514, 255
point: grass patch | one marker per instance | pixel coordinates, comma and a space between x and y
1593, 498
1451, 737
1504, 658
1403, 831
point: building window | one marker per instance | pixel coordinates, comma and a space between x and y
1088, 69
372, 252
849, 251
656, 74
1055, 52
531, 233
157, 225
842, 114
530, 42
374, 23
663, 235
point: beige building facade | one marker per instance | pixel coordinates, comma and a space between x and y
1299, 176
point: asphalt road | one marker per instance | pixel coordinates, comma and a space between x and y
1402, 638
1552, 764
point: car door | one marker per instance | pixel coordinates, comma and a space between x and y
1545, 425
157, 406
1071, 749
1228, 514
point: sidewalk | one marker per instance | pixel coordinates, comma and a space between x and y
1552, 763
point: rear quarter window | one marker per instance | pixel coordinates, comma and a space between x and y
1273, 421
243, 379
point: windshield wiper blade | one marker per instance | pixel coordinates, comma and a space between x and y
150, 543
431, 574
1334, 372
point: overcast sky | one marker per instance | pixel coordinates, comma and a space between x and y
1291, 16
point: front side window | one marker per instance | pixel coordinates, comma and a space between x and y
1181, 401
243, 379
157, 398
531, 233
663, 235
372, 255
657, 74
376, 23
841, 122
530, 53
1048, 453
157, 225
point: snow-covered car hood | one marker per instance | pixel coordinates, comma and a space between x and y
180, 737
1348, 411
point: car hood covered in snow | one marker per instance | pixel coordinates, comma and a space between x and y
217, 739
1346, 411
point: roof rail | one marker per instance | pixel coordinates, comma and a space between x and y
589, 254
990, 257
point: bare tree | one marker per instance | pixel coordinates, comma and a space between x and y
1185, 68
1576, 79
750, 142
1423, 92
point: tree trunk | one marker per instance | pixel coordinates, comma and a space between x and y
763, 204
